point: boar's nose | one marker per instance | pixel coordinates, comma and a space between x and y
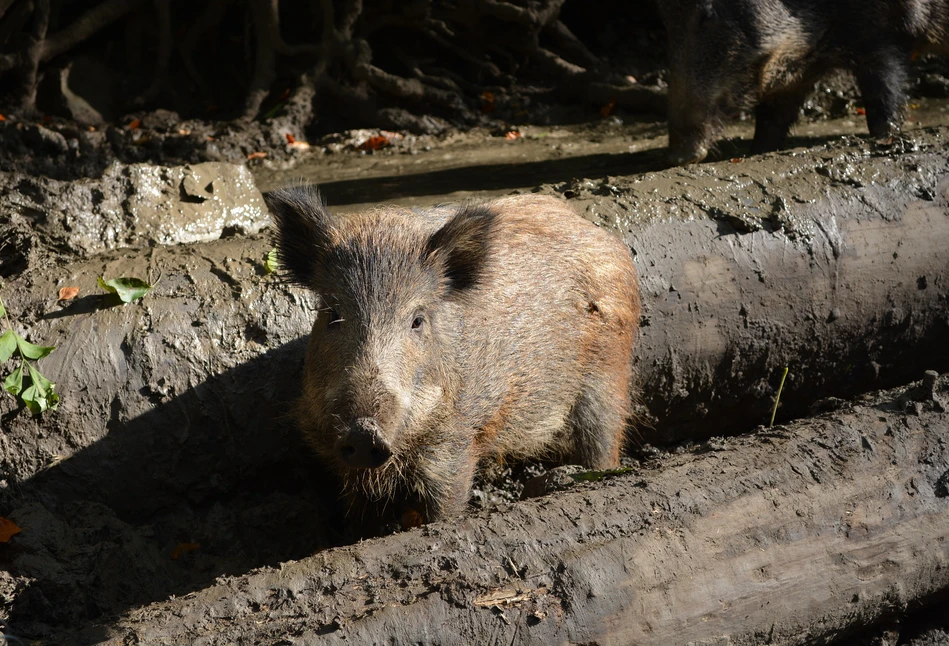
362, 446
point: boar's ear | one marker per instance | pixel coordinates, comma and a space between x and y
462, 245
302, 230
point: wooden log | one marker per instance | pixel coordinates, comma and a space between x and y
797, 534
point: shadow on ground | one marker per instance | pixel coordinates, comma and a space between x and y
197, 488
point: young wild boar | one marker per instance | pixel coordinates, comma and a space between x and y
456, 334
726, 55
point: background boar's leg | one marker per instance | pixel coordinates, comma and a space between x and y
774, 117
881, 79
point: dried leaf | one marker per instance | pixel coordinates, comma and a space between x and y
184, 548
127, 289
7, 529
135, 124
861, 111
68, 293
290, 138
512, 135
737, 160
2, 118
374, 143
256, 155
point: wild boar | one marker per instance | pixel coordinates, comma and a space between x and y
448, 336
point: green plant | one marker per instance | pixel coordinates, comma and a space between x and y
127, 289
271, 264
778, 396
36, 391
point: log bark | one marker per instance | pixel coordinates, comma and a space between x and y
801, 534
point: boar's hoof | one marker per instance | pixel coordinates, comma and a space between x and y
362, 446
683, 156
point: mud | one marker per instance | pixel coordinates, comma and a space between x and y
793, 535
171, 427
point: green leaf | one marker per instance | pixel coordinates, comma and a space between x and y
13, 384
30, 351
271, 263
127, 289
40, 395
7, 345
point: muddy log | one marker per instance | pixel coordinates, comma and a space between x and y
797, 534
172, 430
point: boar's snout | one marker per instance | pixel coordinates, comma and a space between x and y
362, 445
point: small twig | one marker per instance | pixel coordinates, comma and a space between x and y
778, 396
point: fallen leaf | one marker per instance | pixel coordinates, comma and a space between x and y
2, 118
607, 109
184, 548
737, 160
127, 289
290, 138
68, 293
861, 111
374, 143
7, 529
209, 138
299, 145
135, 124
512, 135
256, 155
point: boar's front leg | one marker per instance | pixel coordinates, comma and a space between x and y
446, 474
881, 78
774, 116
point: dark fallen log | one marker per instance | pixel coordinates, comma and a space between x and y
171, 427
799, 534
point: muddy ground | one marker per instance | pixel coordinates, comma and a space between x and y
169, 431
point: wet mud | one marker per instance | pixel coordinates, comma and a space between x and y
172, 427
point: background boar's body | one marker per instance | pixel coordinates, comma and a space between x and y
456, 334
726, 55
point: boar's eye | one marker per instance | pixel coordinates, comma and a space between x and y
418, 321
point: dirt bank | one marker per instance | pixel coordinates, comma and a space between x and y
171, 432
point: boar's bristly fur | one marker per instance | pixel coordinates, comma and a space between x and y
453, 335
